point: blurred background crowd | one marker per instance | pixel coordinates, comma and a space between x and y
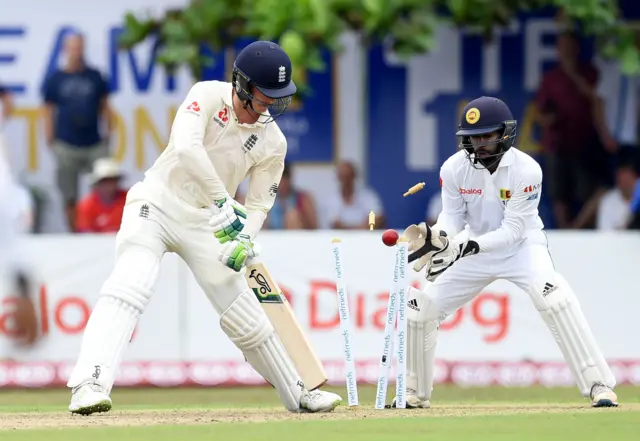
586, 122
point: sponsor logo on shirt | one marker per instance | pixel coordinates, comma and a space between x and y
222, 118
476, 191
531, 188
194, 107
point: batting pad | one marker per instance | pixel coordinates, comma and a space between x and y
105, 339
560, 309
250, 330
422, 336
123, 298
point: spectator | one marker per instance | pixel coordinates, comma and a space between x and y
241, 191
25, 209
617, 106
101, 210
75, 105
350, 208
634, 207
6, 109
7, 103
566, 104
23, 202
293, 209
614, 210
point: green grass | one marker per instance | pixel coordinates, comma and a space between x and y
495, 428
29, 400
458, 414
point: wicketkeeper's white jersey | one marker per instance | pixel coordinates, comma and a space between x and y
501, 209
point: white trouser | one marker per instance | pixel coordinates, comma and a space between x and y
154, 223
529, 267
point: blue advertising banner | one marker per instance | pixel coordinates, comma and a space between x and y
414, 106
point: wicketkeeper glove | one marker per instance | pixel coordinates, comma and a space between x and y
235, 253
417, 236
455, 249
228, 219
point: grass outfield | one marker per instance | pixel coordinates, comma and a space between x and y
474, 414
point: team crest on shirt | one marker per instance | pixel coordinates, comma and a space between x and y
505, 195
473, 115
222, 117
250, 143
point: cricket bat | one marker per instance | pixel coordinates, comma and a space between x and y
281, 315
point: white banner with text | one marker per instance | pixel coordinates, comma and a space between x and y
498, 338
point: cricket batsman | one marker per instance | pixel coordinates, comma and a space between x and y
221, 134
489, 229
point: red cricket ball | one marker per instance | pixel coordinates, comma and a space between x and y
390, 237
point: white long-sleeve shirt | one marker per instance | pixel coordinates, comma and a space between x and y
209, 154
500, 209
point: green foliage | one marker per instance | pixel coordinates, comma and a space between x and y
304, 27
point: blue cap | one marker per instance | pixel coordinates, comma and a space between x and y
483, 115
268, 67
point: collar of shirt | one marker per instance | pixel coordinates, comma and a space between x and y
228, 101
507, 159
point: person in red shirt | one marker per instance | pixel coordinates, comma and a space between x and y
576, 153
101, 210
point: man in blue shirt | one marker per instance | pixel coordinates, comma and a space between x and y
6, 104
6, 109
76, 103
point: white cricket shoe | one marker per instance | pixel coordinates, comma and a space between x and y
319, 401
88, 398
413, 402
603, 396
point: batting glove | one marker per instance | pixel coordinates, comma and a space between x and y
235, 253
228, 219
